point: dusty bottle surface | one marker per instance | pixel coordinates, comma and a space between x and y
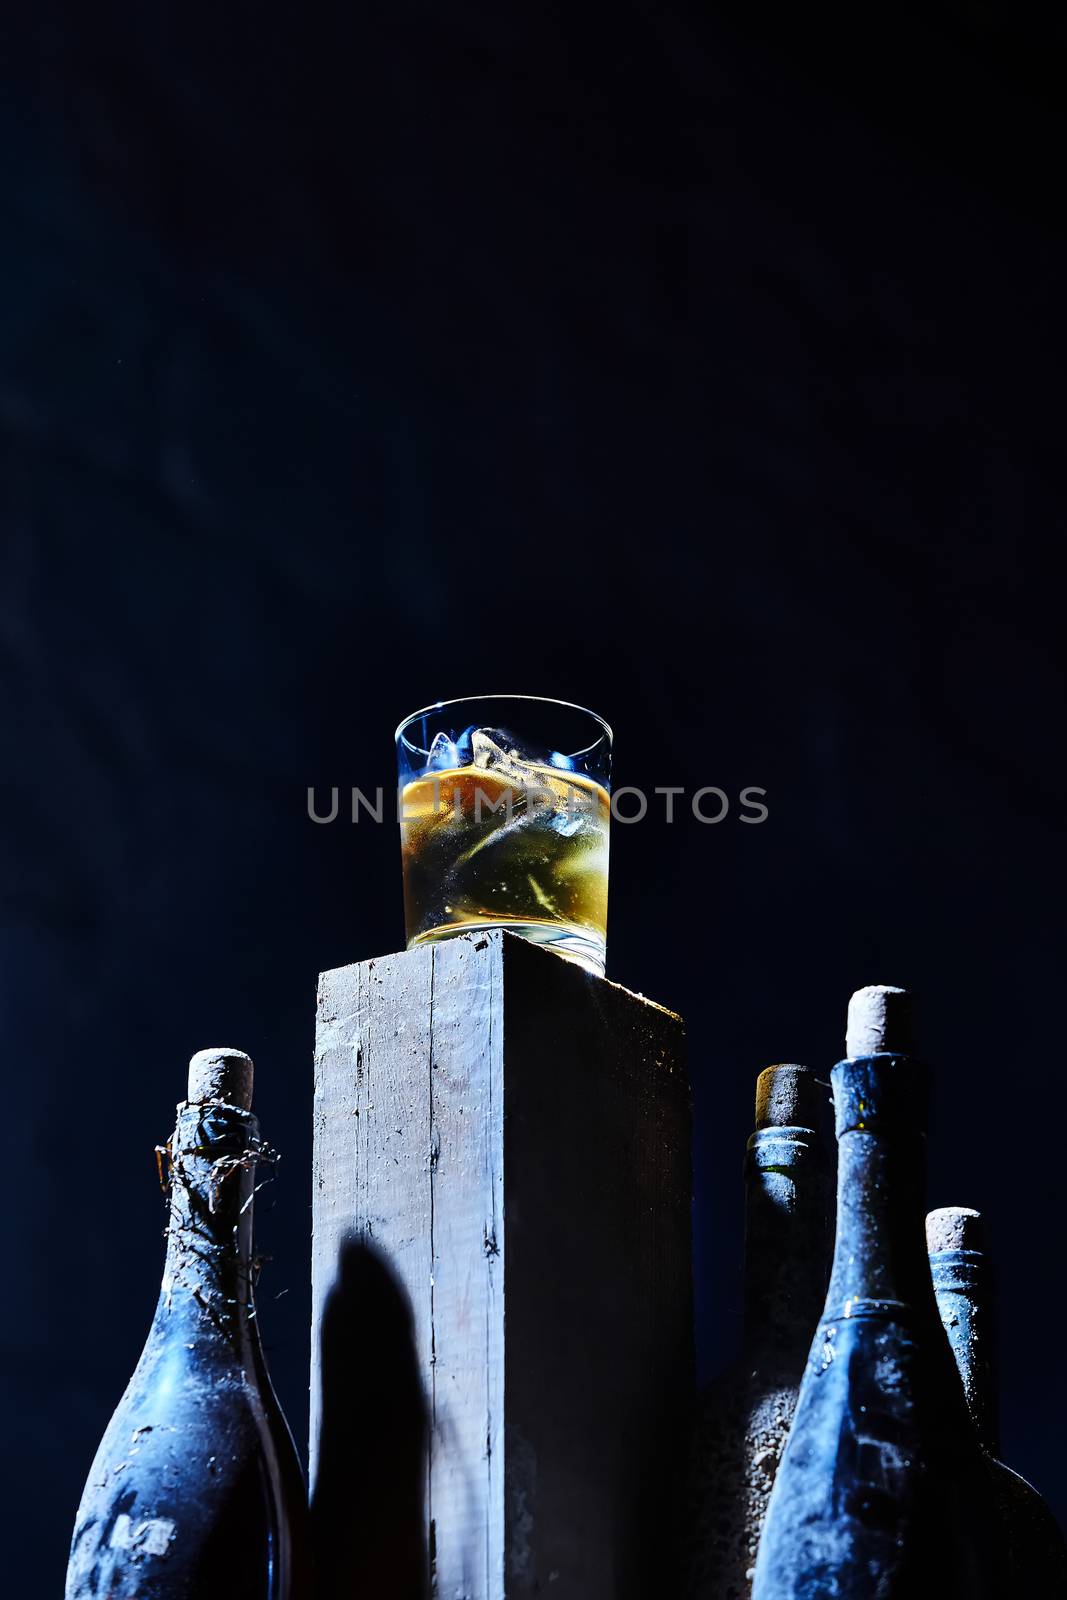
196, 1491
1034, 1553
882, 1489
743, 1417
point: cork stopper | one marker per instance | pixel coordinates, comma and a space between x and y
954, 1228
788, 1096
221, 1074
880, 1022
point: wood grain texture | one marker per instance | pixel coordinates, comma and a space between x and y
508, 1131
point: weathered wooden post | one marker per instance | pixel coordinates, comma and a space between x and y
503, 1142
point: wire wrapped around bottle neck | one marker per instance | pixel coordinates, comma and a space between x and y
212, 1162
224, 1137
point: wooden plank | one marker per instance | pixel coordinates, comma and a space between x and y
334, 1150
508, 1131
597, 1197
466, 1386
371, 1256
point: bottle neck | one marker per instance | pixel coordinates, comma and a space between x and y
207, 1279
963, 1292
880, 1260
786, 1196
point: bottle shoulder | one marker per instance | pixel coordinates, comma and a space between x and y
188, 1459
1036, 1549
891, 1366
879, 1456
195, 1390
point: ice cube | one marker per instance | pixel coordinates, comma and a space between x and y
576, 816
576, 810
568, 823
443, 755
506, 792
490, 838
489, 750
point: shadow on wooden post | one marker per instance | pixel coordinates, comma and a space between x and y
367, 1509
516, 1133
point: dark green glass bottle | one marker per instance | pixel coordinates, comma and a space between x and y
882, 1490
1034, 1555
196, 1491
743, 1417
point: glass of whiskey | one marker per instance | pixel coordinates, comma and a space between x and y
504, 811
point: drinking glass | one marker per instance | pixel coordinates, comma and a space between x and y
504, 806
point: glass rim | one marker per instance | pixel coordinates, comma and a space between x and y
533, 699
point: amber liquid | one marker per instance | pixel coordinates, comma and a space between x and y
484, 850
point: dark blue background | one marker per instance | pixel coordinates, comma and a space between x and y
706, 369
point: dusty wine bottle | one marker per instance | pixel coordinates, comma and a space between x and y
196, 1491
1035, 1554
744, 1416
881, 1489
